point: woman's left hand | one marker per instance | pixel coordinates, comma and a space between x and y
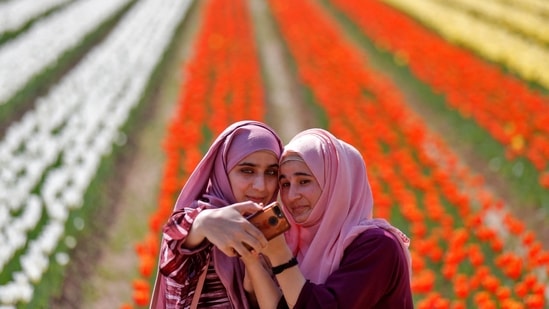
277, 247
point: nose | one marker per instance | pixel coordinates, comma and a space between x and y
259, 183
293, 193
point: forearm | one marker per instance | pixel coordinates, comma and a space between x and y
182, 229
291, 280
265, 289
194, 236
175, 233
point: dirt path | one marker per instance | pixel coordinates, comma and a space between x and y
287, 113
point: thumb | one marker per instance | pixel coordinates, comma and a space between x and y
247, 207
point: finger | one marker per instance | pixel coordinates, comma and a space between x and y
242, 250
254, 242
247, 207
257, 235
229, 251
248, 247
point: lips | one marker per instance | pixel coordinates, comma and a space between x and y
297, 210
256, 199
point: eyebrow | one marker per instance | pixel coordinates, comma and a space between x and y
254, 165
295, 174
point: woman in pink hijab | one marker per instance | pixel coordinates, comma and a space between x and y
199, 263
335, 255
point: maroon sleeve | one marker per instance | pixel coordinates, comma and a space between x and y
373, 274
177, 262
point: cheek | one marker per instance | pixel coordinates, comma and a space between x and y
272, 184
315, 196
284, 196
237, 187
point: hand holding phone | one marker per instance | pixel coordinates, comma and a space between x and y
270, 220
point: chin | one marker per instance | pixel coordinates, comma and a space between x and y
300, 218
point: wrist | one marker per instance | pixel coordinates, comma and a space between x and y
279, 256
194, 235
282, 267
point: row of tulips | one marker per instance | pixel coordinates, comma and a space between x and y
50, 157
540, 6
462, 236
489, 40
505, 107
535, 6
14, 15
222, 85
524, 22
41, 46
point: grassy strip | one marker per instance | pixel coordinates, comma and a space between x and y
24, 99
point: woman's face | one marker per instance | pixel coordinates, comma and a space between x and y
255, 178
299, 189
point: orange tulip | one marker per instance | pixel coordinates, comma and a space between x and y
491, 283
141, 298
521, 289
535, 301
503, 293
461, 286
544, 178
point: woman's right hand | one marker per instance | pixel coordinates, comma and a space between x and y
227, 228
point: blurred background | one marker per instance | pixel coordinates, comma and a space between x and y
106, 106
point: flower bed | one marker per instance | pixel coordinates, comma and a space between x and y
468, 250
50, 157
504, 107
492, 41
20, 93
222, 85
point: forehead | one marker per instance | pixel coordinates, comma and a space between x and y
260, 157
294, 167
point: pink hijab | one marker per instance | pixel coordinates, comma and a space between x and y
209, 186
344, 209
209, 179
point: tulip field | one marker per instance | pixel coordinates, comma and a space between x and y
448, 101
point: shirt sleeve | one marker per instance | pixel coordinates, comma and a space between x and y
373, 274
176, 262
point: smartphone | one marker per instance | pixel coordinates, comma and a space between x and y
270, 220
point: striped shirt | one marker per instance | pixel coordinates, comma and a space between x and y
183, 267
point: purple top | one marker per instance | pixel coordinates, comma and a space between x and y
373, 273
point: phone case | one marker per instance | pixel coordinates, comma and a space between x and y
270, 220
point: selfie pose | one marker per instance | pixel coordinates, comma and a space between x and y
208, 233
334, 255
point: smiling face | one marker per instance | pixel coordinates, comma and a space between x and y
255, 178
299, 189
